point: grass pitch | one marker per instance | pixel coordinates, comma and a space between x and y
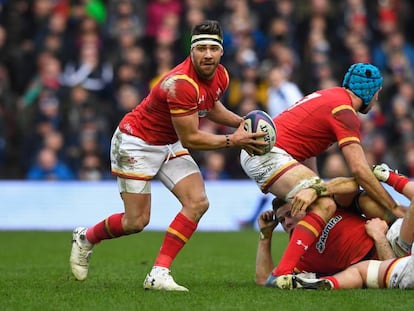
217, 267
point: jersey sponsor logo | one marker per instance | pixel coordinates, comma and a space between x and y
263, 173
321, 244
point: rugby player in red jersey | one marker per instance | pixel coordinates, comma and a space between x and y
304, 131
348, 237
151, 141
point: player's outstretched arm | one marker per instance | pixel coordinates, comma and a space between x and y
361, 170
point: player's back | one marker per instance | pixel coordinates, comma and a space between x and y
310, 126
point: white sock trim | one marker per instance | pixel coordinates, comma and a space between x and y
372, 273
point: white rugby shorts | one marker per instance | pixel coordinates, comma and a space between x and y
265, 169
393, 234
136, 163
401, 274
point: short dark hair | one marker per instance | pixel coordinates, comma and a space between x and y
210, 27
277, 203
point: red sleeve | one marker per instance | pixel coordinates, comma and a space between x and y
182, 95
346, 125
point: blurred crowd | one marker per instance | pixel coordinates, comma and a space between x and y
70, 69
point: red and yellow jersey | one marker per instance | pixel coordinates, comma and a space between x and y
179, 93
342, 243
317, 121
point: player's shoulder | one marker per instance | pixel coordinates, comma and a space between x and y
337, 100
222, 71
222, 75
178, 80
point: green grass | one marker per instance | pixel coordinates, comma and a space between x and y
218, 267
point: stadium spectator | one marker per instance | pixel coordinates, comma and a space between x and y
88, 70
247, 81
334, 165
9, 130
156, 132
341, 34
124, 18
282, 93
126, 99
214, 166
157, 14
92, 168
303, 132
49, 167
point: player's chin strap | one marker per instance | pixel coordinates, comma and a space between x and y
313, 182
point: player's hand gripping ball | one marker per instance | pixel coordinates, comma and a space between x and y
260, 121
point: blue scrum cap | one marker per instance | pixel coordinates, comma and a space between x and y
364, 80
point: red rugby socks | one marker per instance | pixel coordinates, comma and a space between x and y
178, 233
305, 233
109, 228
397, 181
333, 280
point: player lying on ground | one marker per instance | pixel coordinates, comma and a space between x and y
348, 237
391, 273
400, 234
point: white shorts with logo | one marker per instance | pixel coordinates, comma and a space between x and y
402, 273
136, 163
393, 234
265, 169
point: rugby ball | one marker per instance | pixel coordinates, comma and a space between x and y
260, 121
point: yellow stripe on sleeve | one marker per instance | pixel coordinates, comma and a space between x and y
343, 107
309, 227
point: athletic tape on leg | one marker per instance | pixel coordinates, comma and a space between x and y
372, 273
303, 184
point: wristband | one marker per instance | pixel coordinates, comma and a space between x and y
227, 141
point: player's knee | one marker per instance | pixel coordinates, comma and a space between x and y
136, 224
197, 207
202, 205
